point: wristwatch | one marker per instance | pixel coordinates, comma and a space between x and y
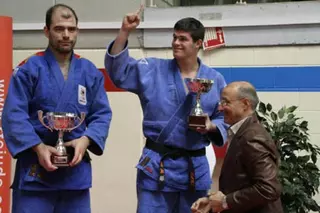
224, 203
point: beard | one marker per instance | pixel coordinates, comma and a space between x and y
62, 48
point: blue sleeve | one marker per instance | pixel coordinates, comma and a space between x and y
98, 118
220, 136
128, 73
19, 133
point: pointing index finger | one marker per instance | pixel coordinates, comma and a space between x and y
140, 10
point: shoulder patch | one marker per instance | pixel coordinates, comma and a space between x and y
77, 56
36, 54
15, 71
23, 62
143, 61
39, 53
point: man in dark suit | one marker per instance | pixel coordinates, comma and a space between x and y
248, 181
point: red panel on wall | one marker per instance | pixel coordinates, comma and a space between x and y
108, 85
5, 73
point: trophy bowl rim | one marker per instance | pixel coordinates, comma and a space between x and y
62, 114
206, 84
201, 80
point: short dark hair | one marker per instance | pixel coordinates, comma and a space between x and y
192, 26
51, 10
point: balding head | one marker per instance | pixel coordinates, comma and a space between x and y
244, 89
65, 12
238, 101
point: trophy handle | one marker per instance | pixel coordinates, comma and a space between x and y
81, 119
41, 119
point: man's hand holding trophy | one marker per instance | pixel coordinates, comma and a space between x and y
61, 122
198, 120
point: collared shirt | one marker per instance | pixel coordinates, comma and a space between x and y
235, 127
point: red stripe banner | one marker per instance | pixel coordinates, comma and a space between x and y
5, 73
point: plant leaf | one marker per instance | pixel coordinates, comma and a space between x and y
274, 116
290, 116
290, 122
269, 107
304, 159
262, 108
304, 124
314, 158
291, 109
281, 112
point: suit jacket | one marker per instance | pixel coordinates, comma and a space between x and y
249, 175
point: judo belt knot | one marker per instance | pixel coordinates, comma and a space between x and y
174, 153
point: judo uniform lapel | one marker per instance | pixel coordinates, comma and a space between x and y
55, 70
65, 86
185, 102
176, 80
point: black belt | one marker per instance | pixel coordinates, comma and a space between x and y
173, 152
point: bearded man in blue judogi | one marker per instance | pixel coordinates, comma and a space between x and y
56, 80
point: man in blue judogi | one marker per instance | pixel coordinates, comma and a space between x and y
173, 170
56, 80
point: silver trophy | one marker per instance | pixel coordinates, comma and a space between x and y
61, 122
198, 86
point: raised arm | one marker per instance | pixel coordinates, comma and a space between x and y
126, 72
129, 23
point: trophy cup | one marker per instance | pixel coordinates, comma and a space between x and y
198, 86
61, 122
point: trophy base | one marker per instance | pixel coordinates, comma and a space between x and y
196, 121
60, 161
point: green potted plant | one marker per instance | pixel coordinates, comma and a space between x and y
298, 172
